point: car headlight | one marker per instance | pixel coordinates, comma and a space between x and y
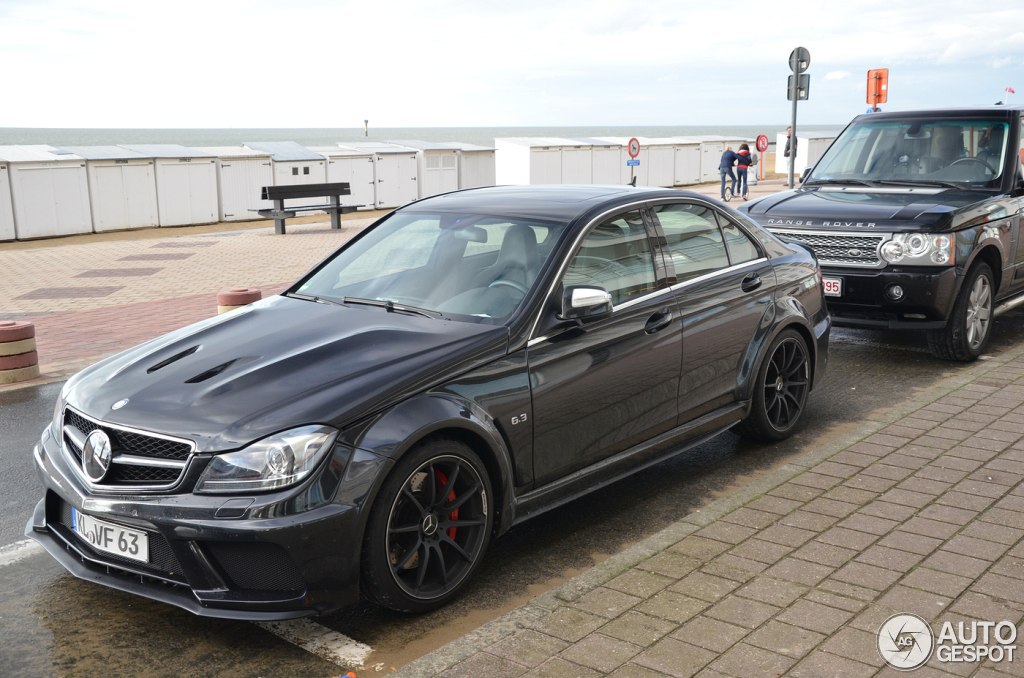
918, 249
270, 464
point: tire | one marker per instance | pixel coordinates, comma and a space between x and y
428, 528
969, 327
780, 392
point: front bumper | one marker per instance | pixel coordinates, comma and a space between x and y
262, 557
927, 301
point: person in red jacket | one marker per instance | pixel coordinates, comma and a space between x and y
743, 162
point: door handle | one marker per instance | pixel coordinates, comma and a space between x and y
658, 321
751, 282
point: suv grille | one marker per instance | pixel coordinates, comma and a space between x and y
841, 249
158, 462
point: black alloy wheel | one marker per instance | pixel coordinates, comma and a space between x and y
780, 393
428, 528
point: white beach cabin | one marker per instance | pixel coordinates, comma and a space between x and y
122, 187
186, 183
242, 172
396, 178
6, 207
476, 165
294, 164
437, 165
712, 146
686, 162
49, 192
354, 167
811, 145
543, 160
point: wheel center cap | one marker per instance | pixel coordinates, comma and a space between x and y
779, 384
429, 525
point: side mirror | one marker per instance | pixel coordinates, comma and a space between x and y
805, 174
586, 303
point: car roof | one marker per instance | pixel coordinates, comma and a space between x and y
556, 202
995, 110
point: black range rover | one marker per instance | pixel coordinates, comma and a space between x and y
915, 218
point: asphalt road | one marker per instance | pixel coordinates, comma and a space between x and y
53, 624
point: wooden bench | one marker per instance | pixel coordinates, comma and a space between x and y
280, 212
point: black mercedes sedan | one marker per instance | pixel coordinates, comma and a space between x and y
463, 364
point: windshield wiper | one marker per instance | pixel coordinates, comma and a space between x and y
837, 182
918, 182
391, 306
309, 297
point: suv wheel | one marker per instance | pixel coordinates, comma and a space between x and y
967, 332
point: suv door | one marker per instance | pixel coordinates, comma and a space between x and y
604, 386
724, 286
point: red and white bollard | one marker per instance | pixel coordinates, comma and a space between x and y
18, 358
229, 300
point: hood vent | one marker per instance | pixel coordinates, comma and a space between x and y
210, 373
173, 358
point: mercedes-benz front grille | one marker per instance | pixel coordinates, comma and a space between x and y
841, 249
140, 461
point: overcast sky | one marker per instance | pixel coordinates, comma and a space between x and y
399, 63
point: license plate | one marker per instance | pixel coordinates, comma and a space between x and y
832, 287
111, 538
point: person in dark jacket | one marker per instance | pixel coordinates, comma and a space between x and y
725, 169
743, 162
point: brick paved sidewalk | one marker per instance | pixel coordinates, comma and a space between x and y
794, 575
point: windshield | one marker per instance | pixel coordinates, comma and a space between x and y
914, 150
463, 266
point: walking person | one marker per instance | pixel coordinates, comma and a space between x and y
743, 162
725, 169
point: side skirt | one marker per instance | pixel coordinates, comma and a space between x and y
626, 463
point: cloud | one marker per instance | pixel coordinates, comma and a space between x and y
837, 75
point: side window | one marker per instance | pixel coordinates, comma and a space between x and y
1020, 151
615, 255
739, 245
693, 241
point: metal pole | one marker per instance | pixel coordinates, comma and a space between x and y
792, 125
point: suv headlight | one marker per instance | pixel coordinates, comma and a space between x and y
919, 249
270, 464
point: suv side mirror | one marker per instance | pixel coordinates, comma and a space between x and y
586, 303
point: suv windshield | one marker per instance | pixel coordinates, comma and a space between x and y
462, 266
916, 150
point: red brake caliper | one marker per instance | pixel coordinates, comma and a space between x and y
442, 479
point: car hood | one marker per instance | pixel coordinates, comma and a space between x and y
866, 210
277, 364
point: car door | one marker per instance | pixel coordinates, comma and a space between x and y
724, 286
603, 386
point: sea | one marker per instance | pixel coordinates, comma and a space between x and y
482, 136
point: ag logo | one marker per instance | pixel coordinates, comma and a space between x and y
905, 641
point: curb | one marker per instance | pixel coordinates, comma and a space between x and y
446, 657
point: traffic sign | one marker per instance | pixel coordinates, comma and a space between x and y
802, 89
799, 60
632, 162
762, 142
634, 148
878, 86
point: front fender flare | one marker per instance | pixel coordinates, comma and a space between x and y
394, 432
